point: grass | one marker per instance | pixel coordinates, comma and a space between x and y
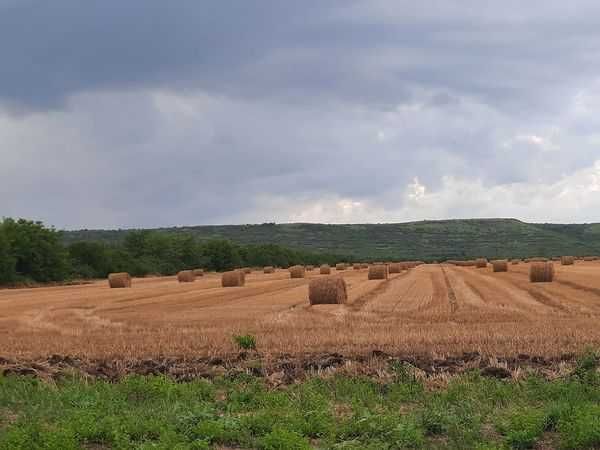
332, 413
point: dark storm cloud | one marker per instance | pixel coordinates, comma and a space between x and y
285, 49
149, 112
53, 49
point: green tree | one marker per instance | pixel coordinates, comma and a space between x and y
37, 250
90, 259
221, 255
7, 262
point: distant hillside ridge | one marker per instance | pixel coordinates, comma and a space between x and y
424, 240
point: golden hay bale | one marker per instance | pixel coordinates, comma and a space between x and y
500, 265
567, 260
395, 267
541, 272
297, 272
327, 290
325, 269
364, 266
378, 272
233, 278
538, 259
186, 276
247, 270
198, 272
515, 262
356, 266
269, 269
481, 263
119, 280
309, 268
340, 266
589, 258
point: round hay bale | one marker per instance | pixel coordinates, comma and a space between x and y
356, 266
541, 272
325, 269
247, 270
481, 263
186, 276
310, 268
340, 266
327, 291
269, 269
198, 272
233, 278
395, 268
500, 265
364, 266
538, 259
589, 258
567, 260
119, 280
378, 272
297, 272
514, 262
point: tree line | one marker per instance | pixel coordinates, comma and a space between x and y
33, 252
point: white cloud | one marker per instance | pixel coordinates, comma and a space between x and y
571, 199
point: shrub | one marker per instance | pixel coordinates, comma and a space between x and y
246, 342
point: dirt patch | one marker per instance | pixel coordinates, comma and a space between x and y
286, 369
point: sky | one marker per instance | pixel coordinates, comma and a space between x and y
149, 113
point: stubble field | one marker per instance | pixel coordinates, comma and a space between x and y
433, 310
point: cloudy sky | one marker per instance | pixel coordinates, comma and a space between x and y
153, 113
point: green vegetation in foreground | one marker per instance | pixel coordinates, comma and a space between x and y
336, 413
426, 240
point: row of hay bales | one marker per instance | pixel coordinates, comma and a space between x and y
539, 271
482, 262
333, 290
123, 279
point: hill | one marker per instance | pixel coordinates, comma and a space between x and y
426, 240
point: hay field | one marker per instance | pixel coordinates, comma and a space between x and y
436, 310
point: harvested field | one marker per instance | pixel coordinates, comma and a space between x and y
433, 310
